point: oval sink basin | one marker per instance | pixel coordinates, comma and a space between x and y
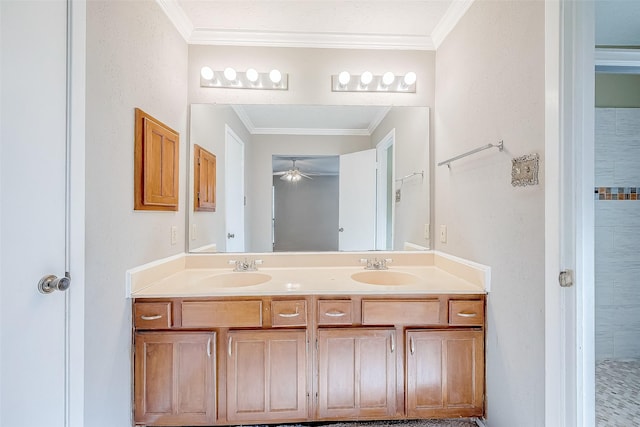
236, 279
384, 277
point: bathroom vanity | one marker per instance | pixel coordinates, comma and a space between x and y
313, 339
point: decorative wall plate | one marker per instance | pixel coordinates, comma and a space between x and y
524, 170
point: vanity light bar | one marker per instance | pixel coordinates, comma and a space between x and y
368, 82
229, 78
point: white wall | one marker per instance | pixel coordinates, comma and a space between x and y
306, 214
207, 129
411, 155
490, 86
135, 58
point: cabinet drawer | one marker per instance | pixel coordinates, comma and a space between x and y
289, 313
152, 315
335, 312
462, 312
401, 312
219, 314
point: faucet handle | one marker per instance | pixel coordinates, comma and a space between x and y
232, 262
257, 262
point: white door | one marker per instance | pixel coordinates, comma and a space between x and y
234, 191
38, 346
357, 201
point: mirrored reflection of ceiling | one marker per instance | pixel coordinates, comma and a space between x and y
311, 119
364, 24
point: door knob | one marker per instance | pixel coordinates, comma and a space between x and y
230, 235
340, 229
51, 283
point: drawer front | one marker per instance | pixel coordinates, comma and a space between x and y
220, 314
401, 312
152, 315
463, 312
289, 313
335, 312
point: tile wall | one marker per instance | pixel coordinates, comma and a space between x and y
617, 233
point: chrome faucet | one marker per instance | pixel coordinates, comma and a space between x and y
246, 265
375, 263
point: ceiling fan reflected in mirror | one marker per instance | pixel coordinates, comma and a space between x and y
293, 174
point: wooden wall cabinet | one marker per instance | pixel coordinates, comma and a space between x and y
204, 173
156, 167
285, 359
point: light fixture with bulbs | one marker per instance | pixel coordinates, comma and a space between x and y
230, 78
368, 82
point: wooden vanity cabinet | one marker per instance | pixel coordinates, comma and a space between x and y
174, 378
287, 359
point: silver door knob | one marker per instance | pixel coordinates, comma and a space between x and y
230, 235
51, 283
340, 229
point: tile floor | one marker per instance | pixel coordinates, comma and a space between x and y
618, 393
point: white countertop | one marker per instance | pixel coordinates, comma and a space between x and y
188, 278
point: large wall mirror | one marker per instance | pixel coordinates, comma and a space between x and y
311, 178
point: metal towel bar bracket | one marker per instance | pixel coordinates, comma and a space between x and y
499, 146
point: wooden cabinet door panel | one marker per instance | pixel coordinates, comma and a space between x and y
175, 378
445, 373
356, 373
267, 375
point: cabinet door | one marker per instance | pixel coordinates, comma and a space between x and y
267, 375
175, 378
445, 373
356, 373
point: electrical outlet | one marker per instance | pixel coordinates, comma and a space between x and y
443, 234
174, 234
426, 231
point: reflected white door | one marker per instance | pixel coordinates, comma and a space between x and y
35, 374
357, 205
385, 189
234, 191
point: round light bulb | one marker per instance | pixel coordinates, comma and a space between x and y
252, 75
344, 78
206, 73
275, 76
230, 74
410, 78
366, 78
388, 78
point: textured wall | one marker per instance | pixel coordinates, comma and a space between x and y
135, 58
617, 235
490, 86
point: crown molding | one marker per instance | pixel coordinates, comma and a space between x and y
178, 18
452, 16
310, 40
378, 119
310, 131
244, 118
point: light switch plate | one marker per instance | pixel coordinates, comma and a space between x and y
443, 234
174, 234
524, 170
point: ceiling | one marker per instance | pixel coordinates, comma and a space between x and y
361, 24
278, 119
